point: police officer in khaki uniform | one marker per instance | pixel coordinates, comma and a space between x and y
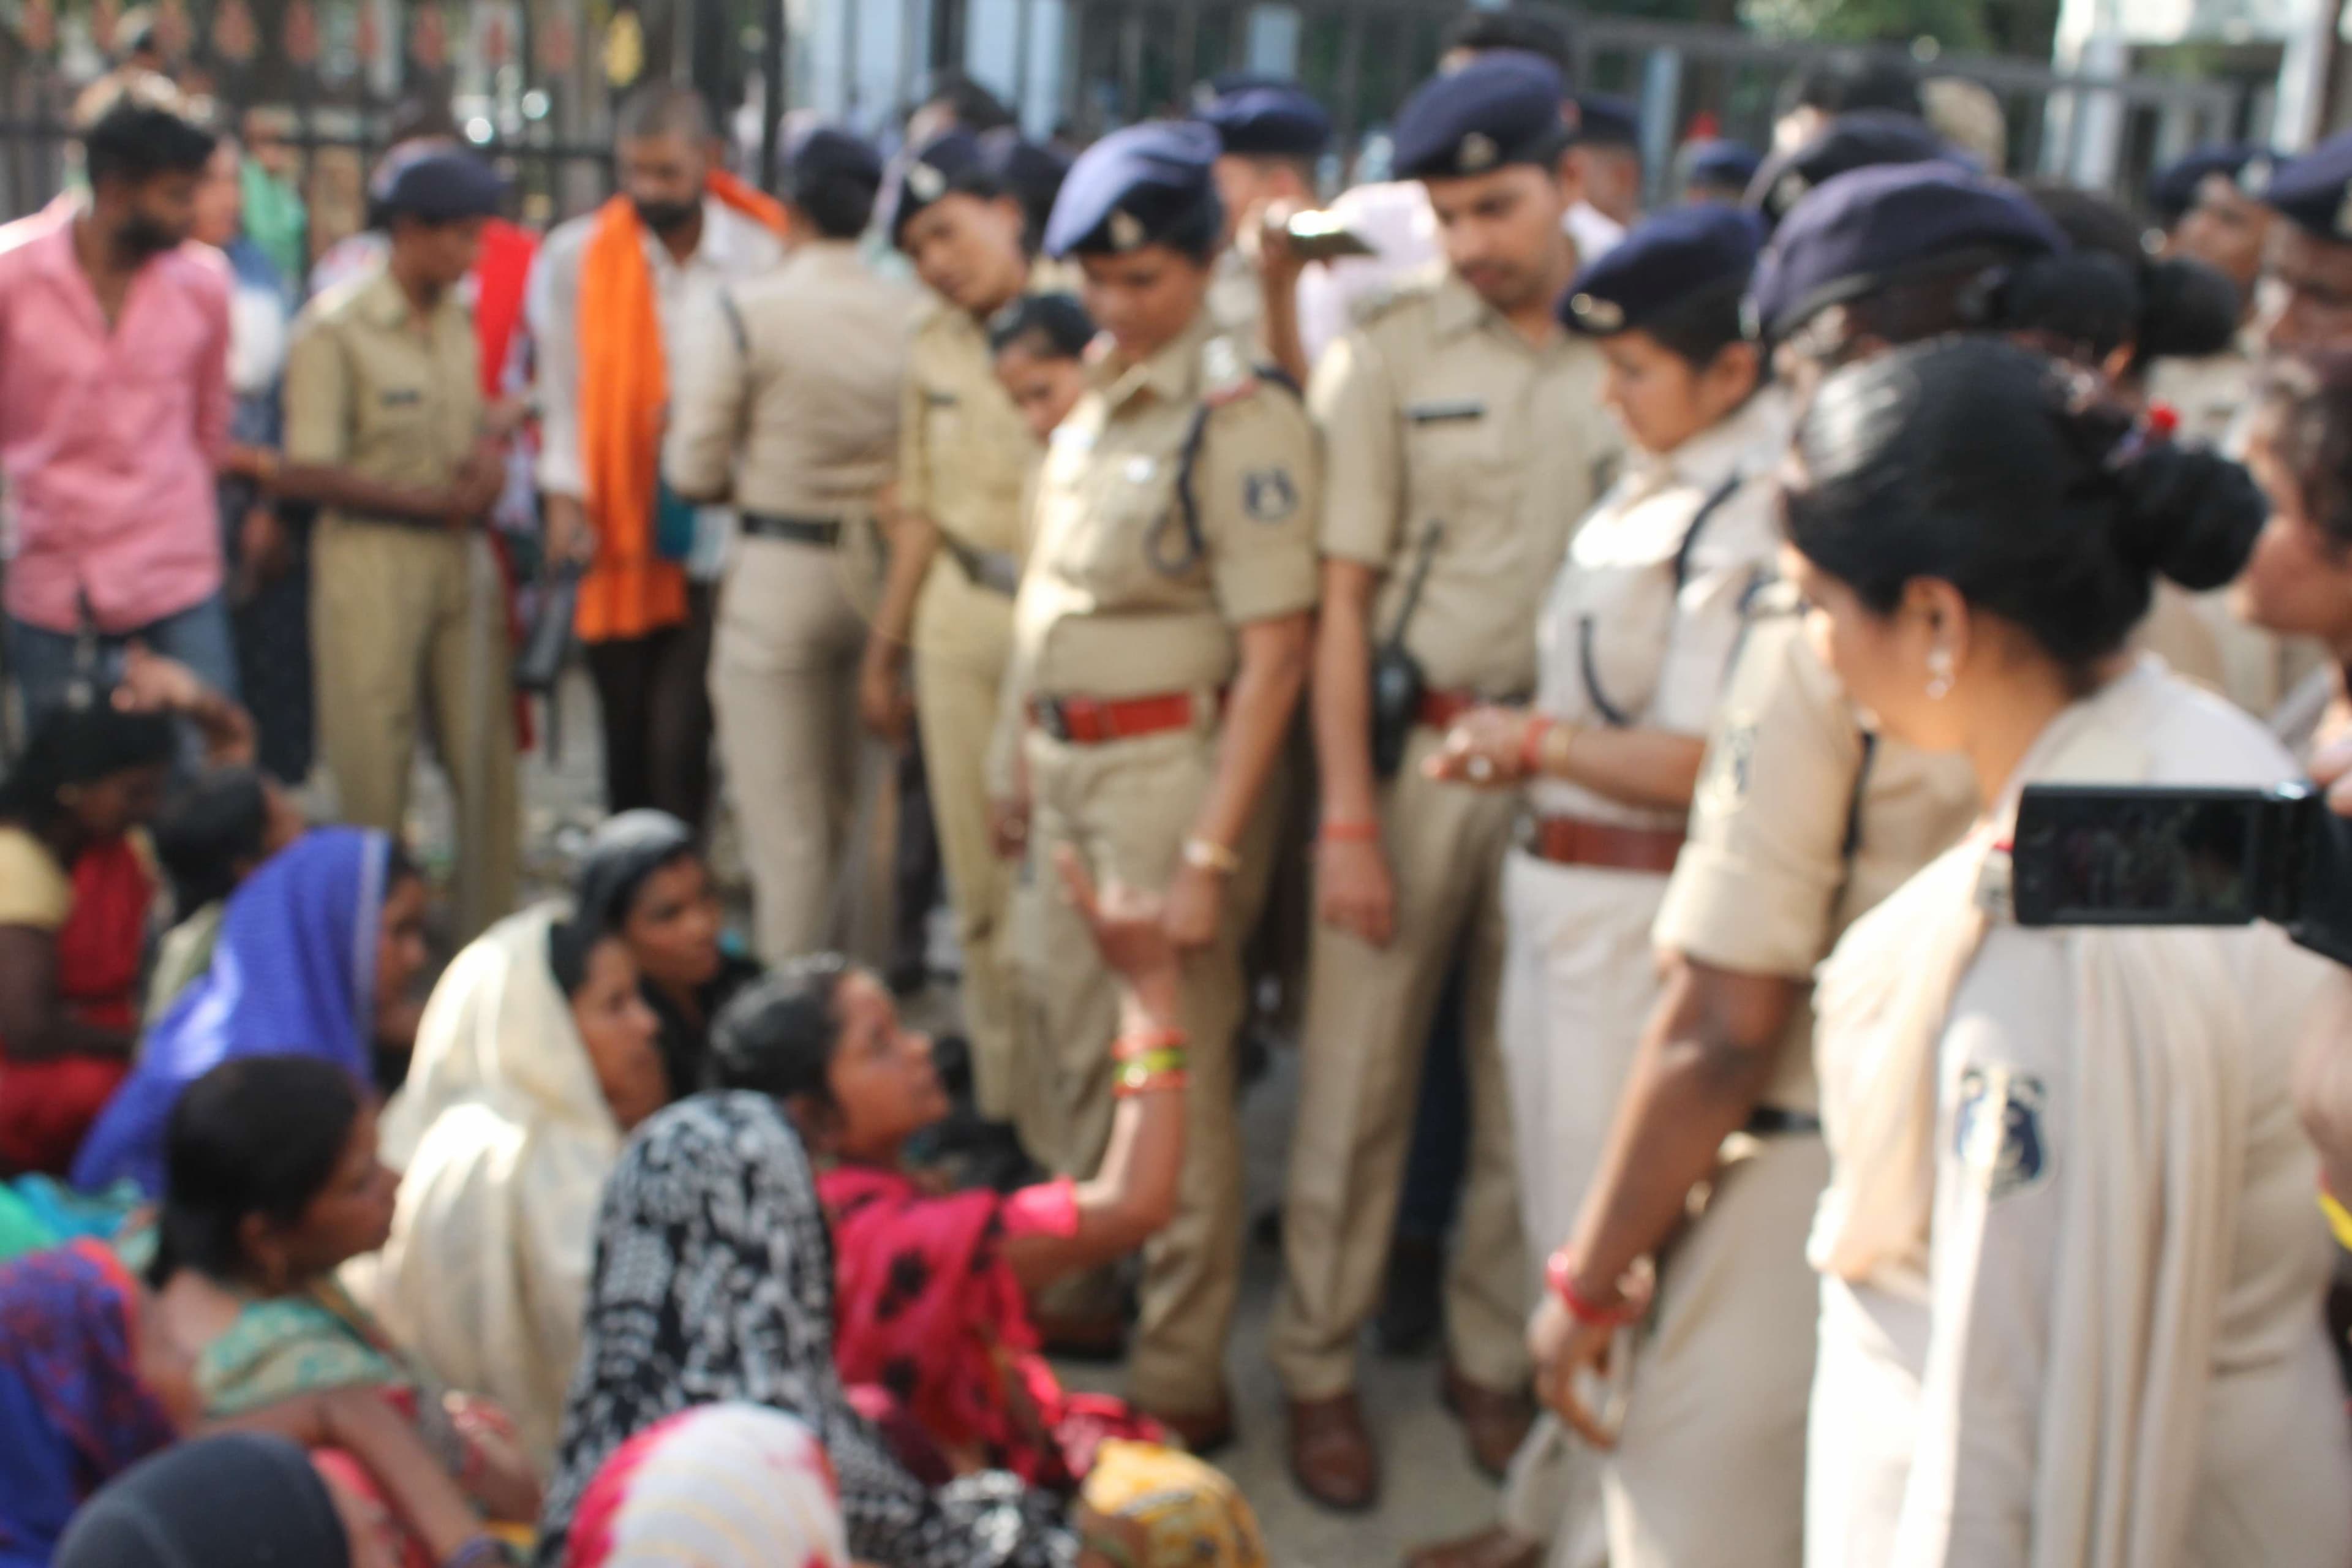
1465, 437
965, 455
1270, 135
385, 430
795, 422
1160, 640
1802, 821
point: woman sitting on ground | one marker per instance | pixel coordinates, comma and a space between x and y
274, 1184
214, 833
315, 955
714, 1201
719, 1486
92, 1382
642, 877
536, 1058
77, 885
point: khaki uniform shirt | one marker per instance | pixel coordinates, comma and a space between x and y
1801, 825
1648, 606
1437, 412
1110, 606
372, 387
964, 450
798, 399
1236, 299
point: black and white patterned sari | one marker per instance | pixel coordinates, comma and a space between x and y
714, 1281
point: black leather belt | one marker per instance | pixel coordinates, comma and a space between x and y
993, 569
819, 530
1774, 1121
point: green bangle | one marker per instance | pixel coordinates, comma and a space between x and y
1171, 1059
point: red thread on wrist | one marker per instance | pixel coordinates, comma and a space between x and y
1365, 832
1560, 1276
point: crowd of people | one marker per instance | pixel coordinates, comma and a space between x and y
1571, 672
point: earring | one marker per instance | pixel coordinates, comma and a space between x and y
1939, 673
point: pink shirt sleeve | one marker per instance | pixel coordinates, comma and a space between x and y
1049, 1208
214, 399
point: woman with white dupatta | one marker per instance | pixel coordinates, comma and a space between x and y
2071, 1265
535, 1057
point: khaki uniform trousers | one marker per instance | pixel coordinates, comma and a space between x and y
783, 688
1368, 1016
410, 624
1709, 1466
1127, 807
963, 639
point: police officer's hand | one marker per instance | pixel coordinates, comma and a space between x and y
1267, 233
1196, 901
1008, 826
1562, 1348
480, 480
884, 704
1485, 748
1354, 890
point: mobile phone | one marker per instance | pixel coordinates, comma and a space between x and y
2176, 856
1319, 237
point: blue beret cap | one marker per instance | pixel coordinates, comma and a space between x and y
1666, 259
1502, 108
1261, 117
824, 151
2315, 190
1864, 138
1135, 187
918, 181
433, 181
1732, 164
1863, 231
2172, 190
1606, 122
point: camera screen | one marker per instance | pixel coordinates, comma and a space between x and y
2136, 858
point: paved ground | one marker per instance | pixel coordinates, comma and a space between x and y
1433, 1491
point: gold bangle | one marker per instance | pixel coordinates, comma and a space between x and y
1206, 855
1558, 742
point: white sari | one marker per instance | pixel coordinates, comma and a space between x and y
503, 1140
2088, 1321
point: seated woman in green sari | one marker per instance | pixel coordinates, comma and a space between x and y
273, 1184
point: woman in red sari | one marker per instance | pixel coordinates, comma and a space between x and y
932, 1288
77, 883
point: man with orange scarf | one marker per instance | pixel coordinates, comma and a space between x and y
607, 304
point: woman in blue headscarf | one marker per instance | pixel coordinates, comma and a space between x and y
318, 947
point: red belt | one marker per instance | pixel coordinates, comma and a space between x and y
1440, 709
1091, 720
1574, 841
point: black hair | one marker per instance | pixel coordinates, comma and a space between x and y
776, 1036
1199, 234
255, 1135
665, 109
1971, 459
398, 866
1545, 30
206, 828
81, 743
840, 202
1051, 326
568, 944
1702, 324
1852, 79
974, 107
2107, 291
2303, 412
139, 139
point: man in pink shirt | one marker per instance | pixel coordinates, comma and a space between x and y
114, 409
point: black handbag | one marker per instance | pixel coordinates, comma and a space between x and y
547, 643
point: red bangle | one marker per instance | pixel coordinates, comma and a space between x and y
1365, 832
1531, 741
1560, 1276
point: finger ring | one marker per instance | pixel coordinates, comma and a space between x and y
1481, 770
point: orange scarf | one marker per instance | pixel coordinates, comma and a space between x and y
630, 590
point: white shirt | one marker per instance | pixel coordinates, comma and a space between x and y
733, 246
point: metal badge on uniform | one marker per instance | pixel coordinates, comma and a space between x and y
1438, 413
1790, 190
1476, 153
1600, 315
2254, 179
1140, 471
1997, 1131
401, 396
939, 398
1268, 494
927, 184
1730, 770
1126, 230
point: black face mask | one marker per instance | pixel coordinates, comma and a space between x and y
666, 217
141, 237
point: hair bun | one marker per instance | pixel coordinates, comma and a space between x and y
2187, 514
2188, 310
